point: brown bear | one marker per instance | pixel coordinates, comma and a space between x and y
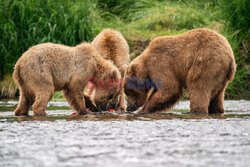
46, 68
200, 60
112, 46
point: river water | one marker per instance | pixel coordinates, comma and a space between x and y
164, 139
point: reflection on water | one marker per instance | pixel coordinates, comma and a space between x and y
163, 139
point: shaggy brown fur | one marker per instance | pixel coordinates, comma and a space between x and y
48, 67
111, 45
200, 60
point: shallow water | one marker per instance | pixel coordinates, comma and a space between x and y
164, 139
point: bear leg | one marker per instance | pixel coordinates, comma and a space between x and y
162, 100
216, 103
25, 102
122, 106
75, 97
89, 104
41, 101
165, 96
199, 101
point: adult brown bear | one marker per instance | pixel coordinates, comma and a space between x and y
200, 60
48, 67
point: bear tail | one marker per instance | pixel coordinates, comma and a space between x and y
231, 70
17, 75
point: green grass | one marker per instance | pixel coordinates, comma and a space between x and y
236, 17
29, 22
57, 95
170, 19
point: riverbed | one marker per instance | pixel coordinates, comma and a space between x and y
172, 138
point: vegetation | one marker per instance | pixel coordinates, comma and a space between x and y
24, 23
237, 29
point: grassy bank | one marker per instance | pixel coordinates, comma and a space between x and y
29, 22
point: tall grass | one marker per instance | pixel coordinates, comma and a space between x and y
237, 20
29, 22
128, 10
